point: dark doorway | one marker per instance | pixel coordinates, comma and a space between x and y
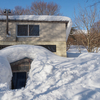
20, 71
18, 80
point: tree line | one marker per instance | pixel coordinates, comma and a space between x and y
36, 8
86, 29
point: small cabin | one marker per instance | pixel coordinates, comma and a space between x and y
48, 31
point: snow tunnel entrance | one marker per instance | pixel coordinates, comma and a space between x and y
20, 71
18, 80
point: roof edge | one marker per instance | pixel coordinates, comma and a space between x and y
49, 18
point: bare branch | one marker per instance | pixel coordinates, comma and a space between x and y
86, 21
44, 8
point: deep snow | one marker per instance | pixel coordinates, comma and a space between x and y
51, 77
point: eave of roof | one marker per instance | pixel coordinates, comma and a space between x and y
4, 20
36, 18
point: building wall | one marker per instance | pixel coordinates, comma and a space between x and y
52, 33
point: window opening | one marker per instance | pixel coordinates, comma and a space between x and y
22, 30
52, 48
3, 46
28, 30
33, 30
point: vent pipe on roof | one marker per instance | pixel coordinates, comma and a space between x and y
7, 11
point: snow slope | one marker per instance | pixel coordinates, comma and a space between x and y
51, 77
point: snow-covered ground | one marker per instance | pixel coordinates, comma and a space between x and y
75, 51
51, 77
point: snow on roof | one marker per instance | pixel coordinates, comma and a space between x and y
37, 18
51, 77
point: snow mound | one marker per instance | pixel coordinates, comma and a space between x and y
51, 77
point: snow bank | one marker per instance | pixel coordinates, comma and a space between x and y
52, 77
5, 70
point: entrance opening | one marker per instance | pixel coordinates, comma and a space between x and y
18, 80
20, 70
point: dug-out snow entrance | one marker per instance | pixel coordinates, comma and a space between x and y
18, 80
20, 70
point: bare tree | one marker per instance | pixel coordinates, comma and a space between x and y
36, 8
75, 39
44, 8
71, 38
2, 12
95, 2
85, 21
18, 10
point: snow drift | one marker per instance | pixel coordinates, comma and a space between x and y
51, 77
